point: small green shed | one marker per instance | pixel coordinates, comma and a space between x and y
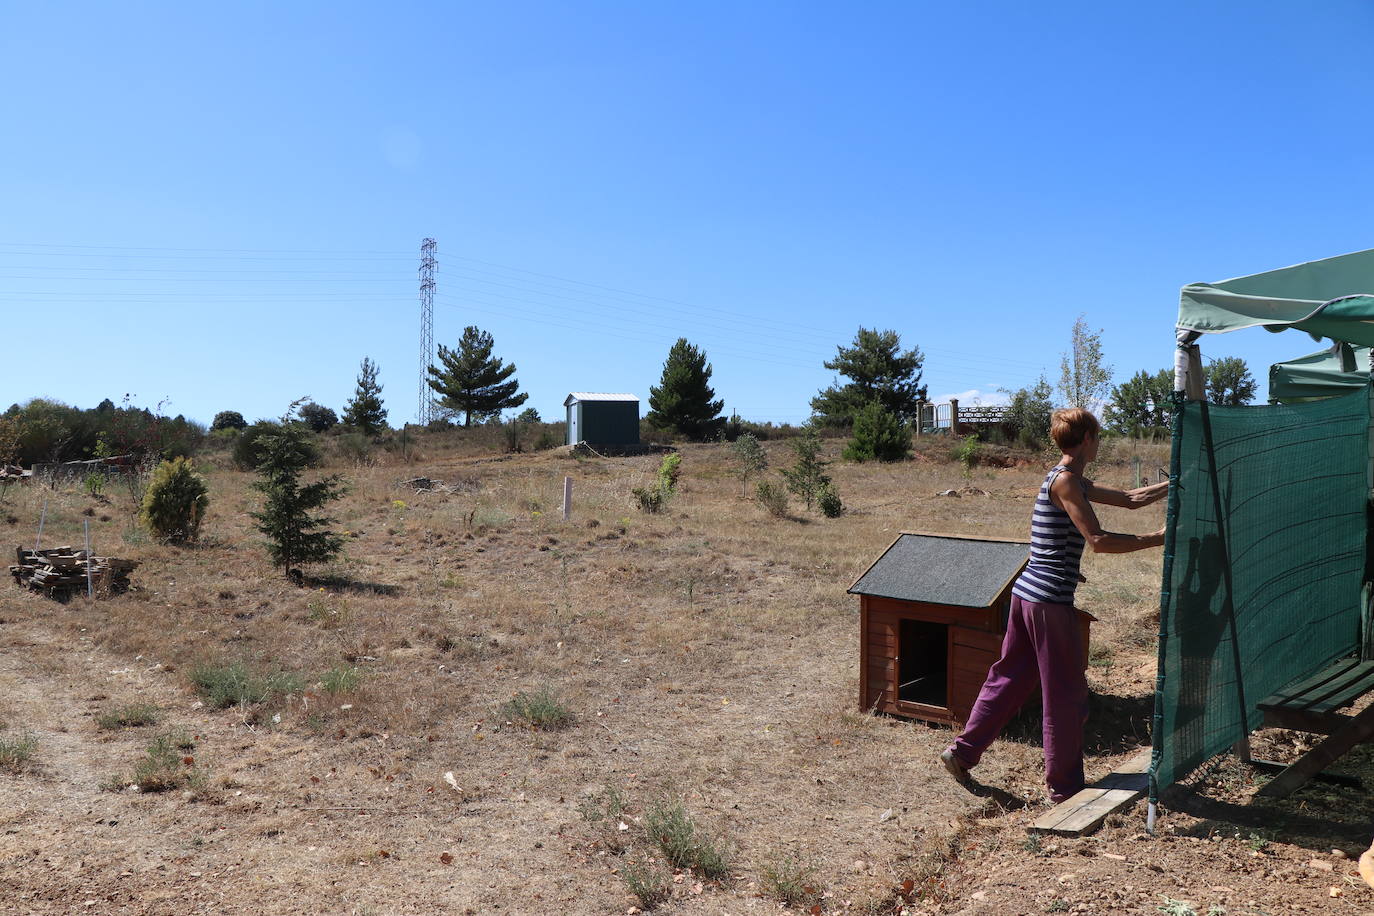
602, 419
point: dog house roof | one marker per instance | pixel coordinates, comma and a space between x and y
962, 570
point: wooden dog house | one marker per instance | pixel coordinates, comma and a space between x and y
933, 611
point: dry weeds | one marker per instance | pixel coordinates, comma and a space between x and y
706, 654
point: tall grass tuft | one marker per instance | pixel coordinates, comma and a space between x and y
648, 881
129, 715
538, 709
16, 753
683, 842
224, 685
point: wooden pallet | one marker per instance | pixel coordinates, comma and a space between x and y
1085, 812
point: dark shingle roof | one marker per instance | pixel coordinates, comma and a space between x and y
943, 569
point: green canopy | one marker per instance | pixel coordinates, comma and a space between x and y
1333, 297
1335, 370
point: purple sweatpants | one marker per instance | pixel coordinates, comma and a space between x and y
1044, 646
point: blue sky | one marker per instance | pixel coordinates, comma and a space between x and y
223, 205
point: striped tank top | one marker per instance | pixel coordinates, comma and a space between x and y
1056, 548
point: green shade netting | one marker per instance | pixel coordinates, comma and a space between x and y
1336, 370
1285, 558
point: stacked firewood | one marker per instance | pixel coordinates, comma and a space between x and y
61, 571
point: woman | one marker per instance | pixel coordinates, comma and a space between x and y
1044, 644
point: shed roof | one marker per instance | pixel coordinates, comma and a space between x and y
944, 569
594, 396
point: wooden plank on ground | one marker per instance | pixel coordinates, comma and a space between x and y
1085, 811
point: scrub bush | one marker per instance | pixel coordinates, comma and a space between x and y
174, 503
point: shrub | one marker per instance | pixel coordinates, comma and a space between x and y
174, 503
248, 447
548, 439
129, 716
165, 765
828, 501
228, 419
653, 499
94, 483
356, 447
317, 417
773, 498
1029, 414
538, 709
967, 454
878, 435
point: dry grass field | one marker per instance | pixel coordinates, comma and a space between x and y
483, 708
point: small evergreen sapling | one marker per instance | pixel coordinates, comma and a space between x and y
807, 476
294, 535
365, 411
879, 435
175, 501
750, 457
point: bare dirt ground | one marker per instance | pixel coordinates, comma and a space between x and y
707, 657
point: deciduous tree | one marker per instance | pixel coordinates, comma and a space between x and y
1229, 382
1085, 380
1029, 413
1141, 404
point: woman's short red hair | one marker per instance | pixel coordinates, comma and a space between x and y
1069, 426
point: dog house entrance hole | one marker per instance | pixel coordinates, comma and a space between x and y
923, 663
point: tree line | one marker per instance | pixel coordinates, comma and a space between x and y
875, 398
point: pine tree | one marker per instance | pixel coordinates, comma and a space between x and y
879, 435
877, 370
294, 535
682, 400
807, 477
470, 381
365, 411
